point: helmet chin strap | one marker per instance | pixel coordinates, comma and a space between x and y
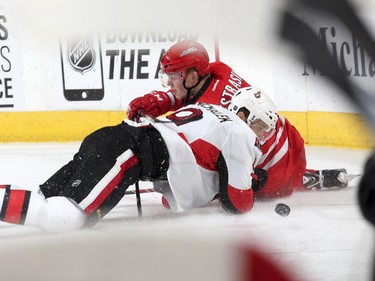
185, 100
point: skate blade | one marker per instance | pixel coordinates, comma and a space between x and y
350, 177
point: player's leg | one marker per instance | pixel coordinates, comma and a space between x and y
104, 162
56, 183
146, 158
97, 140
105, 194
108, 162
104, 168
326, 178
95, 151
27, 207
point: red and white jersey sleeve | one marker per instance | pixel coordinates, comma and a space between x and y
285, 161
196, 137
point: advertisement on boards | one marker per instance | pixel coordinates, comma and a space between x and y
82, 69
109, 70
11, 74
299, 82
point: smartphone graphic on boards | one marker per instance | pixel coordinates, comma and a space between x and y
82, 69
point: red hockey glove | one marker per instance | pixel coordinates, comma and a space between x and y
236, 201
259, 179
152, 104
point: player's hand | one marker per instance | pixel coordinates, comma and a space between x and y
259, 179
152, 104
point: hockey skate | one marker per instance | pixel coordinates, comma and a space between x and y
327, 178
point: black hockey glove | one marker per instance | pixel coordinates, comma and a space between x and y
259, 179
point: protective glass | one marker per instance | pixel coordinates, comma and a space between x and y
165, 79
261, 129
267, 134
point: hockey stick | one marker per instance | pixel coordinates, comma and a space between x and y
216, 46
139, 204
351, 177
152, 119
140, 191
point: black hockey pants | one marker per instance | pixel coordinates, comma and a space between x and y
96, 161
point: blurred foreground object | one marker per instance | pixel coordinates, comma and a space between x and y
138, 256
366, 193
315, 53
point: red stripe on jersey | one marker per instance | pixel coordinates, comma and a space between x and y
205, 153
273, 145
13, 213
111, 185
279, 126
183, 137
4, 185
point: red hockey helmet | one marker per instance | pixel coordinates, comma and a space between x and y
184, 55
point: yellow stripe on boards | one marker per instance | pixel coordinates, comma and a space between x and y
317, 128
332, 128
59, 126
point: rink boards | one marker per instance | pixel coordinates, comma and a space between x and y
317, 128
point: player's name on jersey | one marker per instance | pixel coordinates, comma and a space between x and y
219, 114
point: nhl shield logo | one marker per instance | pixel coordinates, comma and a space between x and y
81, 55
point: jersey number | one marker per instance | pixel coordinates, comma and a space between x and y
185, 116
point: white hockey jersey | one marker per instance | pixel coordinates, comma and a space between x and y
196, 137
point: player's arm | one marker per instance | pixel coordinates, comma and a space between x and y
153, 104
235, 193
236, 201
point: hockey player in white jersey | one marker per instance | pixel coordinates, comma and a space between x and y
207, 158
204, 149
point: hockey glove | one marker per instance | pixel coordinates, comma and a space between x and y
259, 179
152, 104
236, 201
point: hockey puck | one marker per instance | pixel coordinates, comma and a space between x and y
282, 209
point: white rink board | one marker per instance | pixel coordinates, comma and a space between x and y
132, 39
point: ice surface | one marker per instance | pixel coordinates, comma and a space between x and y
324, 238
